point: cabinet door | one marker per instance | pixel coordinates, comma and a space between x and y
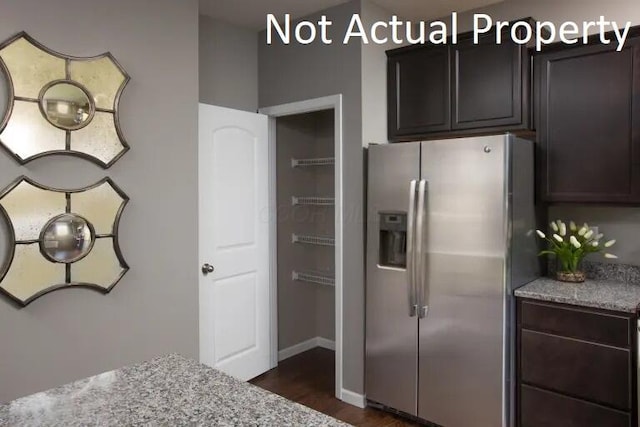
418, 91
589, 124
487, 81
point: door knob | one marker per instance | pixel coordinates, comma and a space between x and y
207, 268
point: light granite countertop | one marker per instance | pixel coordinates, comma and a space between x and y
606, 294
166, 391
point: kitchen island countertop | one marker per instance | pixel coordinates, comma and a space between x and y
170, 390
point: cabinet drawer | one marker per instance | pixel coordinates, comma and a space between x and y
539, 408
585, 370
577, 323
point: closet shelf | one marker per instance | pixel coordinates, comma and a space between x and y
314, 201
313, 240
320, 279
320, 161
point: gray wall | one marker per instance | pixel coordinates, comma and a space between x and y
557, 11
374, 78
620, 223
305, 310
228, 65
297, 72
70, 334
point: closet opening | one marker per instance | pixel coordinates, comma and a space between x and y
306, 269
306, 233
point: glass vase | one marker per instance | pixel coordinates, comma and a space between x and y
564, 275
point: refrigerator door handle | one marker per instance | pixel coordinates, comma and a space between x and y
420, 238
411, 251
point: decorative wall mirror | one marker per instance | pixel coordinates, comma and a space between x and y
61, 238
61, 104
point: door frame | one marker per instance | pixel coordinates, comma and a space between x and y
332, 102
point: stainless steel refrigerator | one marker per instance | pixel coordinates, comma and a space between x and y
450, 235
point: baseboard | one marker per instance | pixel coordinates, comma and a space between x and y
325, 343
304, 346
352, 398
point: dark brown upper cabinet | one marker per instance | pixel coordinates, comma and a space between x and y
466, 88
589, 124
487, 84
418, 91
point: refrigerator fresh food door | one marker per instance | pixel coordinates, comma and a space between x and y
461, 334
392, 325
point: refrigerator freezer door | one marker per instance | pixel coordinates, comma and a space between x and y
461, 338
391, 325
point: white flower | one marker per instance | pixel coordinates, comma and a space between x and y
610, 256
595, 243
558, 238
541, 234
599, 236
563, 229
588, 234
575, 242
609, 243
582, 231
572, 226
554, 226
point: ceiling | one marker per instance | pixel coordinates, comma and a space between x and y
252, 13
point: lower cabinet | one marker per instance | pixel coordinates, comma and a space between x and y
575, 366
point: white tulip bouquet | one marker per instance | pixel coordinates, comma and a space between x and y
571, 244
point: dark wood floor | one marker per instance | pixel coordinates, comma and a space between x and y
308, 379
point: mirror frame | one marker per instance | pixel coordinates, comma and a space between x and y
11, 98
6, 266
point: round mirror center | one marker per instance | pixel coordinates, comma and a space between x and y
66, 105
66, 238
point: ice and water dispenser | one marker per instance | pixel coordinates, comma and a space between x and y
393, 239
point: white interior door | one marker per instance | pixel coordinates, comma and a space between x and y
234, 246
